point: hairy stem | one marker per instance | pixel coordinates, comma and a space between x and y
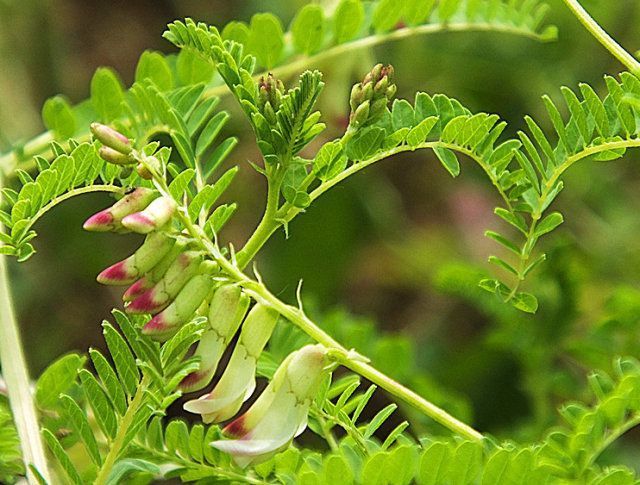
259, 292
14, 369
603, 37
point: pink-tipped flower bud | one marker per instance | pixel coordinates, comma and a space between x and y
156, 215
280, 413
155, 274
167, 322
238, 381
179, 273
150, 253
110, 219
369, 98
111, 138
228, 307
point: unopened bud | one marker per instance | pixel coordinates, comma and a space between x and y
156, 215
150, 253
111, 138
360, 115
179, 273
110, 218
113, 156
167, 322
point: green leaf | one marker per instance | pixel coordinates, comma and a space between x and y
57, 379
193, 68
418, 134
373, 471
123, 358
126, 467
337, 470
107, 94
329, 161
387, 14
62, 457
210, 132
110, 381
468, 463
549, 223
266, 40
512, 218
58, 117
219, 155
449, 160
365, 143
417, 11
307, 29
525, 302
81, 426
500, 239
153, 66
379, 419
347, 20
434, 464
210, 193
97, 399
503, 264
447, 8
179, 185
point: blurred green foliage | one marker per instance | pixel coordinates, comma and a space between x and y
401, 244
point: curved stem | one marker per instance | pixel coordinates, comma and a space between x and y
14, 369
39, 144
602, 36
259, 292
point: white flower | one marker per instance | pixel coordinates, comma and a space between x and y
280, 413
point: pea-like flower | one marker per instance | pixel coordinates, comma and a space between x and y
239, 378
150, 253
110, 219
280, 413
228, 307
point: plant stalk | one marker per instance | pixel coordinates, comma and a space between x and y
603, 37
14, 370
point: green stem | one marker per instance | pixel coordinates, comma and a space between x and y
118, 443
40, 144
14, 369
259, 292
603, 37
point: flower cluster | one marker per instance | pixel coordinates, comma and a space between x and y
369, 98
172, 282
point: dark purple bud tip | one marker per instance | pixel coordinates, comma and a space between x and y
137, 289
100, 222
145, 303
116, 274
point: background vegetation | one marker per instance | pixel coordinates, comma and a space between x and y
401, 245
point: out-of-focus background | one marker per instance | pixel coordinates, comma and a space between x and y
400, 247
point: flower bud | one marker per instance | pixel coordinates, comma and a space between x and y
111, 138
167, 322
113, 156
156, 215
177, 275
109, 219
155, 274
270, 90
280, 413
370, 97
228, 307
238, 381
150, 253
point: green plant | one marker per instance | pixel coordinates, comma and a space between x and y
154, 146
